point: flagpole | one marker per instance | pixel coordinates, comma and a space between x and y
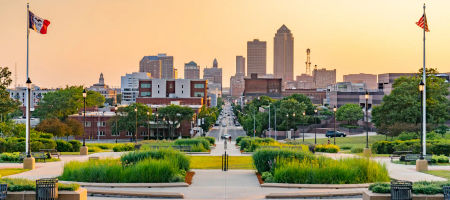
28, 98
424, 96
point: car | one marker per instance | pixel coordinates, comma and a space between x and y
224, 125
225, 136
333, 134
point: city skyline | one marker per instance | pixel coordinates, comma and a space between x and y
351, 36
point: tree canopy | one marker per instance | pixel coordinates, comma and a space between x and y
7, 104
64, 102
174, 115
350, 113
126, 117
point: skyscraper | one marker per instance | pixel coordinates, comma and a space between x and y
323, 77
256, 57
191, 70
283, 54
214, 77
240, 65
160, 66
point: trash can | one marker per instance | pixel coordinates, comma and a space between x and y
47, 189
3, 191
446, 191
401, 190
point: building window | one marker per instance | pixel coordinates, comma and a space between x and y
129, 133
144, 133
199, 85
88, 124
146, 94
146, 85
101, 133
101, 124
182, 91
199, 94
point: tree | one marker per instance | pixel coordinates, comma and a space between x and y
174, 115
126, 118
350, 113
75, 128
305, 100
402, 106
7, 104
209, 115
53, 126
62, 103
290, 112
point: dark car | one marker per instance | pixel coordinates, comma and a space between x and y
335, 134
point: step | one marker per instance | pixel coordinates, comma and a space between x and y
96, 192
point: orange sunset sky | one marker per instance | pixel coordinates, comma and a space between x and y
87, 37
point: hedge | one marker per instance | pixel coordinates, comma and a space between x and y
329, 148
437, 147
421, 187
263, 157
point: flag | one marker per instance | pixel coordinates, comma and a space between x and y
422, 23
38, 24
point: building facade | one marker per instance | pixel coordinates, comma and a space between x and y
343, 93
191, 70
159, 66
256, 57
255, 87
385, 81
240, 65
237, 85
214, 77
323, 77
316, 96
283, 54
369, 79
129, 86
105, 90
20, 94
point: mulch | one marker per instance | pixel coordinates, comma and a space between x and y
189, 176
258, 175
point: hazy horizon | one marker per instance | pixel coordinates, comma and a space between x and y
86, 38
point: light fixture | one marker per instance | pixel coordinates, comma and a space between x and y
315, 110
84, 93
304, 113
421, 86
28, 83
334, 109
366, 95
115, 108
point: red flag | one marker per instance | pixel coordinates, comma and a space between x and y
38, 24
422, 23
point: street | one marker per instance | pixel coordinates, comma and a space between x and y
229, 128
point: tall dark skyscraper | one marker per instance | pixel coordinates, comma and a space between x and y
256, 57
240, 65
283, 54
191, 70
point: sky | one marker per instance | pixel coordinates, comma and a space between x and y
87, 37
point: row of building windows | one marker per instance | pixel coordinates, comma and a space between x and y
102, 133
99, 124
199, 85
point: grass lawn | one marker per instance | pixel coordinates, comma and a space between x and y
440, 173
349, 142
11, 171
215, 162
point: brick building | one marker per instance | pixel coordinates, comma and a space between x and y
316, 96
255, 87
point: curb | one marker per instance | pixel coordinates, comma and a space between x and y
129, 185
136, 194
316, 186
194, 153
315, 194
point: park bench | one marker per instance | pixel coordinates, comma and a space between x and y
51, 152
399, 154
413, 157
137, 146
36, 155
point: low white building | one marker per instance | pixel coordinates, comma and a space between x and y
20, 94
129, 86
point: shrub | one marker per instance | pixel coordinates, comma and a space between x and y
345, 147
380, 187
357, 150
75, 145
46, 135
408, 136
134, 157
263, 157
63, 146
19, 184
212, 140
267, 177
439, 159
421, 187
123, 147
46, 143
94, 149
198, 148
251, 144
328, 171
103, 146
10, 157
437, 147
191, 142
329, 148
239, 138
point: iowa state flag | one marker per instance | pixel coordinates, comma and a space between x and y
38, 24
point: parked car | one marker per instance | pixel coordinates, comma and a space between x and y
333, 134
225, 136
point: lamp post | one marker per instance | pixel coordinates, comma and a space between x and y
148, 124
293, 116
136, 131
275, 127
157, 127
28, 162
254, 123
315, 129
303, 128
115, 111
84, 148
334, 114
366, 96
421, 87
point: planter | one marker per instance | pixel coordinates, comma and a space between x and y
368, 195
80, 194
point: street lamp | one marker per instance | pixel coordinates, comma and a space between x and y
148, 124
135, 134
157, 127
421, 88
303, 128
115, 111
366, 96
315, 129
84, 148
334, 114
28, 162
254, 124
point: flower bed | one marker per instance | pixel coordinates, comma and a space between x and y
155, 166
290, 166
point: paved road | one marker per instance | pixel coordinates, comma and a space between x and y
229, 127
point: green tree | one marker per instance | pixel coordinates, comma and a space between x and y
62, 103
174, 115
53, 126
75, 128
350, 113
209, 115
126, 118
305, 100
402, 106
290, 114
7, 104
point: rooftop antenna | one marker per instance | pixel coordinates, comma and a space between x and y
308, 62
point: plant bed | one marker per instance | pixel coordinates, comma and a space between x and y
258, 175
79, 194
421, 187
369, 195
